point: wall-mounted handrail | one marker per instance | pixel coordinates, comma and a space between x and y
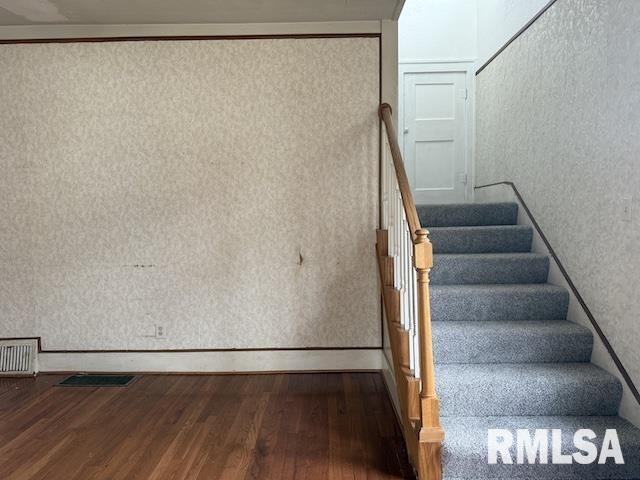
594, 323
405, 257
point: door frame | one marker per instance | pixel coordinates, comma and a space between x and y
465, 66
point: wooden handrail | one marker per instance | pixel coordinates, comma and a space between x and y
409, 205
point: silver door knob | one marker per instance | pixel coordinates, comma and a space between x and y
406, 130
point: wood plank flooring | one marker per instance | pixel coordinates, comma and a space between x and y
281, 426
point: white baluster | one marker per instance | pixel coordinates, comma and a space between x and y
383, 182
407, 268
391, 226
409, 305
387, 188
416, 330
390, 193
405, 272
400, 266
398, 234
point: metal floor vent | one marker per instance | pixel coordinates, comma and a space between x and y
18, 357
97, 381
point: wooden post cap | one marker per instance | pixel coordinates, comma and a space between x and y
422, 252
422, 235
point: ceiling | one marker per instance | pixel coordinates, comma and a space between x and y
114, 12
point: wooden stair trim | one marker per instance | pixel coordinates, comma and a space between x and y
423, 443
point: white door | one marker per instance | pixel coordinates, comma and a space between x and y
434, 136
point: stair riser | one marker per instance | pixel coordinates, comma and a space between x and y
469, 345
476, 240
454, 269
468, 214
512, 398
457, 305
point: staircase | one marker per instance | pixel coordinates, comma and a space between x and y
506, 357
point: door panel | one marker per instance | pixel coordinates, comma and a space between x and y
439, 171
434, 136
434, 100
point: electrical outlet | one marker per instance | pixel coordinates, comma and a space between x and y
161, 332
627, 209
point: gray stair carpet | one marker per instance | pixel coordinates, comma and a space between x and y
486, 268
498, 302
482, 239
468, 214
506, 356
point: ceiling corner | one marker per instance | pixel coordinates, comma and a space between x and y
398, 9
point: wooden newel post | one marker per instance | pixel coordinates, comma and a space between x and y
431, 434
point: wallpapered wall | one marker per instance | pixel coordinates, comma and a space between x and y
558, 115
226, 190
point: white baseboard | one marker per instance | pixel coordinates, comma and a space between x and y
213, 362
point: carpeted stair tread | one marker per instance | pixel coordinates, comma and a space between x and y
467, 214
465, 448
481, 239
489, 268
470, 390
511, 342
498, 302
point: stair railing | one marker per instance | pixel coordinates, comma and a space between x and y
405, 257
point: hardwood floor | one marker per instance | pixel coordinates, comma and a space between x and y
281, 426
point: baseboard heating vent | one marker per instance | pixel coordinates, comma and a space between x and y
18, 357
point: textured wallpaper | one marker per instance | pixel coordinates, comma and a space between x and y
226, 190
558, 114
